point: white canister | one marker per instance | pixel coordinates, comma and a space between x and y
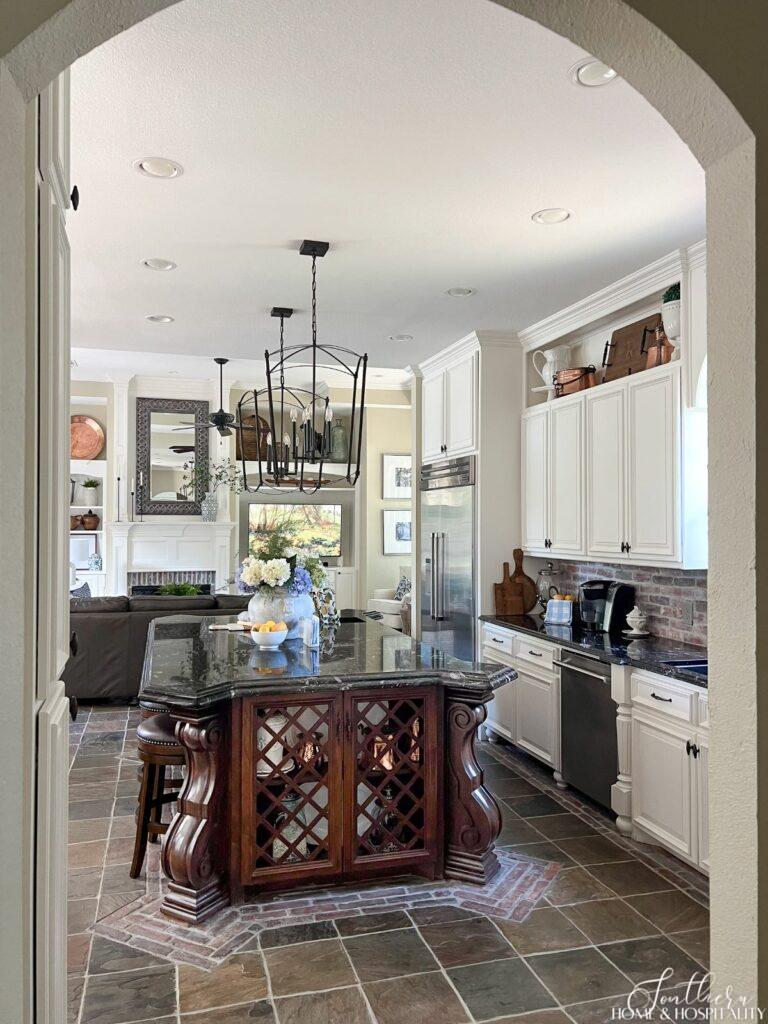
310, 631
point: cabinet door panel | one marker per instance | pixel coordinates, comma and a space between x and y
391, 776
661, 786
652, 444
535, 440
702, 800
460, 407
291, 793
533, 716
566, 489
433, 417
606, 455
501, 710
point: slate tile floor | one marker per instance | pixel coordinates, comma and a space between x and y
617, 913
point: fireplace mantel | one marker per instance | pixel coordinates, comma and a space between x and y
162, 546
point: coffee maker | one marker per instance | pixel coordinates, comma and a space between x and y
604, 605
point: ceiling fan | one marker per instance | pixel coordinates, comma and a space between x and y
221, 419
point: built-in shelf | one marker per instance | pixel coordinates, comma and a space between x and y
85, 533
86, 506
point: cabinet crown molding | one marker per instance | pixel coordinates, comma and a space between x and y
614, 297
473, 342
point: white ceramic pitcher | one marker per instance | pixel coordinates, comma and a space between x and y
550, 361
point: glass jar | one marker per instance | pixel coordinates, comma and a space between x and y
545, 587
278, 605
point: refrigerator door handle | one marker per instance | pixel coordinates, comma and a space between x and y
433, 579
441, 576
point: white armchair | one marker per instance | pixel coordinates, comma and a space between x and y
385, 602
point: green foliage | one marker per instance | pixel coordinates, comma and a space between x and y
179, 590
209, 476
315, 568
276, 544
91, 483
672, 294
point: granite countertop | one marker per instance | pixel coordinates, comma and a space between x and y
187, 664
649, 653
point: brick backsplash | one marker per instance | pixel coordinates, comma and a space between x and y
675, 600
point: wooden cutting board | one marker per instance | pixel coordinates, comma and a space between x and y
530, 596
623, 355
508, 596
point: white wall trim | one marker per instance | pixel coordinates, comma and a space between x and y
635, 287
472, 342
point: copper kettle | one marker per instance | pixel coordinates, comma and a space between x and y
658, 351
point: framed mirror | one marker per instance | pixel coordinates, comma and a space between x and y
169, 433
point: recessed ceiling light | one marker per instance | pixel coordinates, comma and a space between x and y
592, 73
460, 293
160, 318
154, 263
401, 337
158, 167
552, 215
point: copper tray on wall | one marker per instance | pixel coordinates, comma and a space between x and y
86, 437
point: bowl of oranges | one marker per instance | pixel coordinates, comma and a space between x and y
269, 634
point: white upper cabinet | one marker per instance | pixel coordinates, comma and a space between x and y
653, 474
605, 410
553, 478
566, 476
460, 392
626, 504
449, 414
433, 418
535, 457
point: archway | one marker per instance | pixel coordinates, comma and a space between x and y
47, 38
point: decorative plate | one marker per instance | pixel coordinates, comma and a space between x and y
86, 438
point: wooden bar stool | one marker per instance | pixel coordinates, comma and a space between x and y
157, 749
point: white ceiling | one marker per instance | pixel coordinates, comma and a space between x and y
418, 138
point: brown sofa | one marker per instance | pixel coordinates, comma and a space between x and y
111, 634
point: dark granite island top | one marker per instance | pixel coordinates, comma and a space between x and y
652, 653
308, 767
190, 665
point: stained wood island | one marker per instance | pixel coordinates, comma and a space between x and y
355, 761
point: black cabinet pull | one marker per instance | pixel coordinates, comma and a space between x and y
628, 547
666, 700
695, 750
496, 640
688, 747
535, 654
75, 198
623, 545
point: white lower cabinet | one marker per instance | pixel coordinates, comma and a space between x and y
669, 768
527, 711
661, 785
536, 721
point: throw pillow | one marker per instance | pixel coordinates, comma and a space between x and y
84, 591
403, 588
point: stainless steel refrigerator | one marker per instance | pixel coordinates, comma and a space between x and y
447, 494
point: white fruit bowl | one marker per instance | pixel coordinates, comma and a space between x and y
267, 641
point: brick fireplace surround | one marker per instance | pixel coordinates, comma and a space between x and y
675, 600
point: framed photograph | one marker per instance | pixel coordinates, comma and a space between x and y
396, 477
81, 547
397, 531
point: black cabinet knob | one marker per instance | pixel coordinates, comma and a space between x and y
75, 197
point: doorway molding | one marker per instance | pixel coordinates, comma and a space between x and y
39, 40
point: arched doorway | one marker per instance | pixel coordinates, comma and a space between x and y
43, 41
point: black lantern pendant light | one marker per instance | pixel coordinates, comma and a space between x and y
291, 432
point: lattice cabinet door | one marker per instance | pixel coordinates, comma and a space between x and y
291, 792
393, 779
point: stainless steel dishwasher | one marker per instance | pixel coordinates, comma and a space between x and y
589, 747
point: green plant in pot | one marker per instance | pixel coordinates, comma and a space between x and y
670, 311
92, 486
178, 590
209, 477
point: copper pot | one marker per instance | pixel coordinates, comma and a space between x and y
659, 350
569, 382
90, 520
75, 522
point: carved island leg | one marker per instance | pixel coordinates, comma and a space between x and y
192, 851
473, 817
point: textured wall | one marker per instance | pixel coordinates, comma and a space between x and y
675, 600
